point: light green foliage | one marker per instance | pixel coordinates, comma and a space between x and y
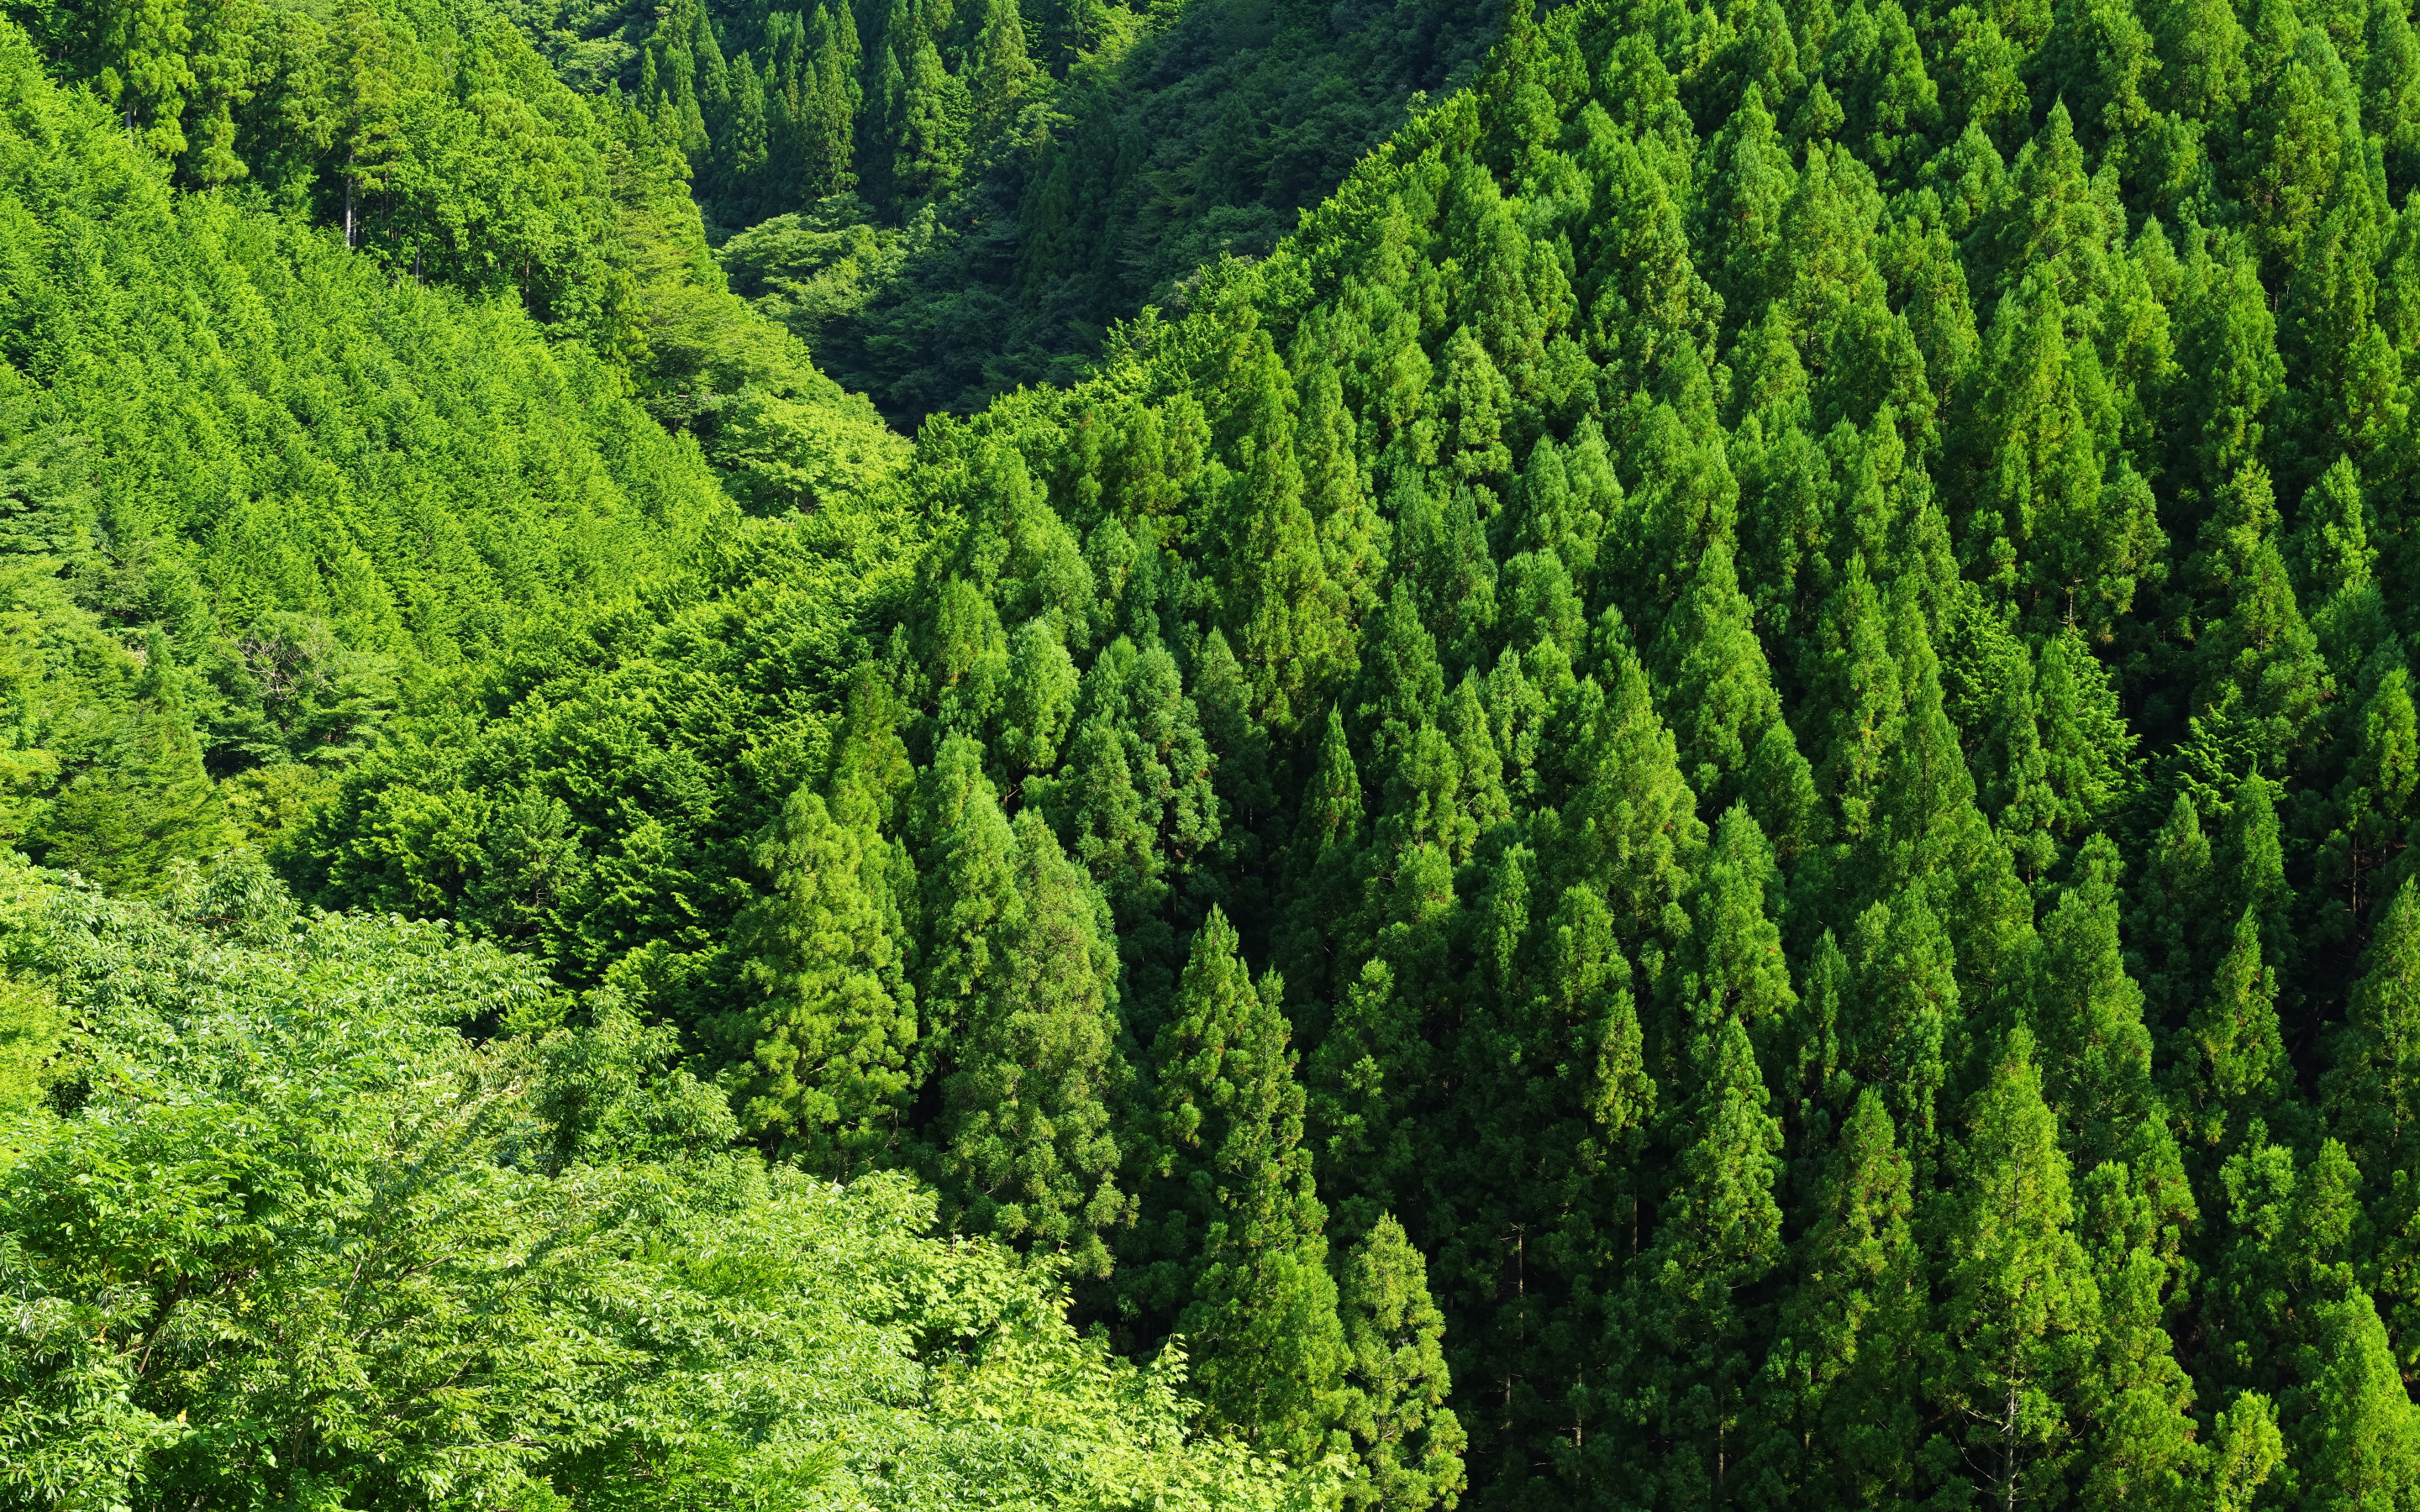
302, 1239
827, 950
1408, 1439
1707, 801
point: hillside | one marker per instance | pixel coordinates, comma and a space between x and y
1708, 802
1757, 685
275, 1252
946, 201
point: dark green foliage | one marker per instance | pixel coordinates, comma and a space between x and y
1235, 1236
947, 200
1708, 802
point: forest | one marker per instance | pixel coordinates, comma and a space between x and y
1046, 753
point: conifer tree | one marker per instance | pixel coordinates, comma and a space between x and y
2017, 1323
1395, 1379
1682, 1322
1026, 1146
1899, 1037
2088, 1013
2235, 1055
2172, 905
999, 71
1321, 861
2373, 1090
2255, 855
829, 94
1720, 698
2290, 1229
1856, 1326
934, 111
1234, 1234
827, 950
149, 801
2362, 1443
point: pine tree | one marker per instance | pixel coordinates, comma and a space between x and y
2136, 1399
2373, 1090
1855, 1325
2254, 857
1288, 621
1024, 1146
1719, 697
2289, 1236
147, 801
2235, 1057
1683, 1326
1550, 1103
2017, 1319
2172, 926
1899, 1039
1000, 73
933, 120
2259, 662
1236, 1236
1319, 888
829, 94
827, 951
746, 146
1396, 1380
2361, 1447
2088, 1013
2088, 763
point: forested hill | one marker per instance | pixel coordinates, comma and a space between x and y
1754, 697
1707, 804
344, 1210
946, 200
440, 147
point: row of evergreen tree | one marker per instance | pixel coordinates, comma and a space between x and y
813, 107
946, 200
1757, 691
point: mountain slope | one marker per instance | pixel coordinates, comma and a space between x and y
1756, 692
946, 201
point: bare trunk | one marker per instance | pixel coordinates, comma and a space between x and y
2009, 1459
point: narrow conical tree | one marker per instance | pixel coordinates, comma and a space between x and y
999, 71
1684, 1330
1851, 1414
1718, 693
1900, 1038
2373, 1090
2359, 1451
1408, 1441
2088, 1013
826, 946
147, 801
2016, 1320
2234, 1056
1024, 1146
1234, 1234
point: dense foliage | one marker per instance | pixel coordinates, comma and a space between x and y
946, 200
342, 1211
1709, 803
300, 1243
258, 495
1753, 699
433, 139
